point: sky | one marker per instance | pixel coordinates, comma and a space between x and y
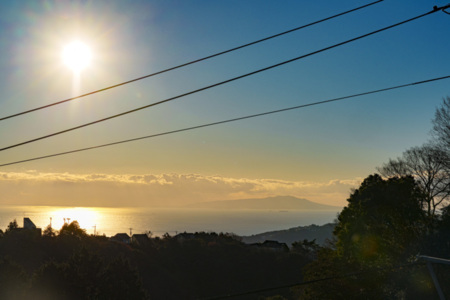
319, 153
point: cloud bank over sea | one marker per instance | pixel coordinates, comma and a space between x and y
157, 190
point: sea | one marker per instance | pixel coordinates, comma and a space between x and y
111, 220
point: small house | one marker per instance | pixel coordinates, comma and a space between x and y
121, 238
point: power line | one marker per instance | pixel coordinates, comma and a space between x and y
230, 120
443, 8
192, 62
222, 82
394, 268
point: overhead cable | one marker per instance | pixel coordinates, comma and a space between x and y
192, 62
443, 8
220, 83
229, 120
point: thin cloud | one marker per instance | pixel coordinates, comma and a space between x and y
37, 188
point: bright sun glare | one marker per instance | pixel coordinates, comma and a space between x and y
86, 217
77, 56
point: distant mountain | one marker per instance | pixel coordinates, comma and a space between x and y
276, 203
320, 233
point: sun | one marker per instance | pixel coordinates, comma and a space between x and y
77, 56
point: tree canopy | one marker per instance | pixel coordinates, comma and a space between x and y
72, 229
383, 226
441, 124
382, 221
11, 226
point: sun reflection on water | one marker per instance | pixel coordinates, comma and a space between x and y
112, 220
87, 217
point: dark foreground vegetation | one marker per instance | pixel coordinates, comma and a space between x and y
379, 236
377, 239
74, 265
389, 221
374, 256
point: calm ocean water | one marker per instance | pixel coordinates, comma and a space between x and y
110, 221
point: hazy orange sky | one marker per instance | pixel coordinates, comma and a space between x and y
318, 153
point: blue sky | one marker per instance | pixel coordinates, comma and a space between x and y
338, 141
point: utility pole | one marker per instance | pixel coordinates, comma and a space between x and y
131, 231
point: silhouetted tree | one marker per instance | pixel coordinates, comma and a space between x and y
13, 280
11, 226
445, 216
120, 281
86, 276
306, 248
72, 229
441, 124
381, 227
382, 221
430, 167
49, 231
327, 265
437, 242
185, 266
51, 282
85, 268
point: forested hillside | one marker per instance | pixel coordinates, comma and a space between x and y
70, 264
321, 234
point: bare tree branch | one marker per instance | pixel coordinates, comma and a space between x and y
429, 165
